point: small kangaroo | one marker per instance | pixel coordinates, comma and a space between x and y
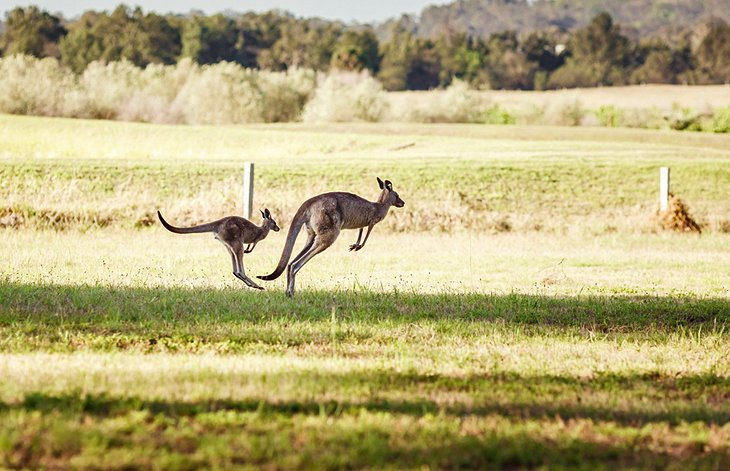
324, 216
233, 232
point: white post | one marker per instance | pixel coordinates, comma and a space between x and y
663, 188
247, 189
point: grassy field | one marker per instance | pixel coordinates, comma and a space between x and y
520, 312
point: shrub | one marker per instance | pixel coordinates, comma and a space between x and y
346, 96
457, 104
565, 112
106, 88
721, 120
159, 86
645, 118
222, 93
31, 86
609, 116
496, 115
685, 119
286, 93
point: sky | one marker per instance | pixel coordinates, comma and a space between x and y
346, 10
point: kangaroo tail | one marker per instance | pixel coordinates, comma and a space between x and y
210, 227
291, 237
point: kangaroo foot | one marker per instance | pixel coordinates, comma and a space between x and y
248, 281
355, 247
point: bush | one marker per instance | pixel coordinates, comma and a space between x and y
106, 88
160, 85
222, 93
721, 120
568, 111
609, 116
346, 96
496, 115
31, 86
286, 93
645, 118
457, 104
685, 119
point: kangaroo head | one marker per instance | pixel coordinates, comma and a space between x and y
270, 223
389, 195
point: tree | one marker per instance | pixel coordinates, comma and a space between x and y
713, 54
425, 66
31, 31
210, 39
301, 43
123, 34
660, 63
540, 48
597, 55
356, 50
506, 66
409, 63
461, 57
396, 58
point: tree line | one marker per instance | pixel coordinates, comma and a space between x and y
599, 54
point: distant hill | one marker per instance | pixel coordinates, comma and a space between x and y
638, 18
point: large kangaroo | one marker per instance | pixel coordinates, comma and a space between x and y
233, 232
324, 216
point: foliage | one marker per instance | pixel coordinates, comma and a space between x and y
482, 18
609, 116
713, 54
598, 54
496, 115
356, 51
209, 39
31, 31
398, 53
346, 97
123, 34
34, 86
721, 120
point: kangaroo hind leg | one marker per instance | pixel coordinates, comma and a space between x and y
320, 243
236, 250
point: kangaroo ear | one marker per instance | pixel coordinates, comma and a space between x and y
388, 185
263, 214
380, 182
267, 214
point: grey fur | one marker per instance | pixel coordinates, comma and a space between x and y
324, 216
233, 232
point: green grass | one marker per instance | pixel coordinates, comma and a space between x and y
73, 173
576, 338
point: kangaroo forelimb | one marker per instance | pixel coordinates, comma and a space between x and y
357, 246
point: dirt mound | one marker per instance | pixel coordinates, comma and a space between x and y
676, 217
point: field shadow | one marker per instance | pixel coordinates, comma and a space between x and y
126, 308
370, 443
616, 397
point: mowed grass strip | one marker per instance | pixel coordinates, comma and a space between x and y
185, 411
106, 317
